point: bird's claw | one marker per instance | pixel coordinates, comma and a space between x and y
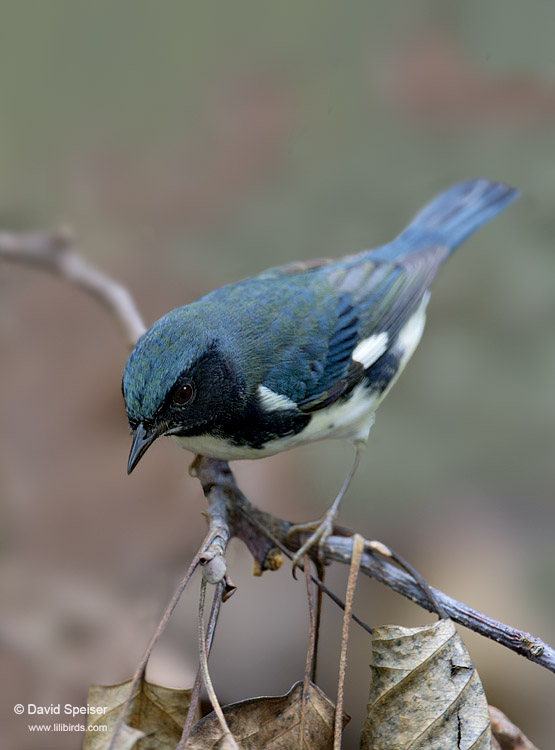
322, 529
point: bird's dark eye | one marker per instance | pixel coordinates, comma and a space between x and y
183, 394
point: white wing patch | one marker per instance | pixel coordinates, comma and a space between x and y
370, 349
271, 401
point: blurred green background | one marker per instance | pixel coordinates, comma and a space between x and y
190, 144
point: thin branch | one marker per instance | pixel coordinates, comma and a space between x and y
204, 668
358, 547
388, 553
316, 579
139, 672
519, 641
195, 694
310, 652
55, 252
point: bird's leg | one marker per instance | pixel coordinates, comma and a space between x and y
323, 528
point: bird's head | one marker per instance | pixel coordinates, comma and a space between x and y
179, 380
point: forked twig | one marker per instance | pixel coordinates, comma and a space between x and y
139, 672
204, 667
195, 694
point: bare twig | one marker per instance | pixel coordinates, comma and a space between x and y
310, 652
204, 668
195, 694
139, 672
386, 552
358, 547
320, 573
231, 514
521, 642
318, 580
55, 252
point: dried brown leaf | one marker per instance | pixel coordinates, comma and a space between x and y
154, 720
272, 723
425, 692
505, 735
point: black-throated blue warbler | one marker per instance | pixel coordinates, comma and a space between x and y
298, 353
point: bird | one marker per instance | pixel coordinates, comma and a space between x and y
298, 353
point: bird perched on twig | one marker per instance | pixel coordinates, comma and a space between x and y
298, 353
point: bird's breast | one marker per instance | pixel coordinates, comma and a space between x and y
349, 419
216, 447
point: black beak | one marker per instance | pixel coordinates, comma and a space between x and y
141, 441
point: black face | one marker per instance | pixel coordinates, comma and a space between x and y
198, 403
202, 398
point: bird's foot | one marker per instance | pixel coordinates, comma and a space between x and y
321, 530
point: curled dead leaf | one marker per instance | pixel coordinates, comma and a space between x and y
425, 692
273, 723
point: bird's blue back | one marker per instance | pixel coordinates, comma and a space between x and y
294, 328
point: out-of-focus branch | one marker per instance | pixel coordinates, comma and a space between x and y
229, 512
55, 252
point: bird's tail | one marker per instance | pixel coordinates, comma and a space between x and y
451, 217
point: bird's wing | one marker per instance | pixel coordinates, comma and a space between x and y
374, 301
376, 292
